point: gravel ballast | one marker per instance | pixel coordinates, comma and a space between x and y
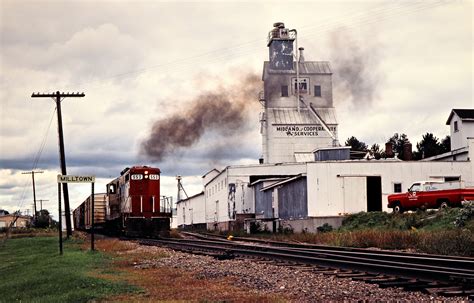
293, 283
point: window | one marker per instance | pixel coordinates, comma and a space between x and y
456, 129
284, 90
397, 187
303, 87
415, 187
317, 90
450, 179
112, 188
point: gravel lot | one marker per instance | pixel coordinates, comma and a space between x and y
295, 284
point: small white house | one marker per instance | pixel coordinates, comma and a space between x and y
461, 125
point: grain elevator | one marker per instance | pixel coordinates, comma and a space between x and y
298, 116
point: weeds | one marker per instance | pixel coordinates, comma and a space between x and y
464, 215
448, 232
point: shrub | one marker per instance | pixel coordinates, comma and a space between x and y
464, 215
324, 228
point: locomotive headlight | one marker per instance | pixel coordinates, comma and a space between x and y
146, 172
146, 176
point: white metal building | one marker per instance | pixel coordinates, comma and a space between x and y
191, 212
332, 189
345, 186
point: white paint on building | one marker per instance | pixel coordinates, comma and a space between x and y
229, 193
461, 124
339, 187
191, 211
333, 187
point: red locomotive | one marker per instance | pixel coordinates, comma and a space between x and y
133, 205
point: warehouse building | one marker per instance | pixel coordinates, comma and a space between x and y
310, 194
304, 178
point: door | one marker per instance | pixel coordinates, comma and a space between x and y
374, 193
355, 194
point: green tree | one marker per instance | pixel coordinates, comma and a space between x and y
376, 151
43, 219
430, 146
446, 144
356, 145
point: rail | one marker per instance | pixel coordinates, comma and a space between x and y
424, 271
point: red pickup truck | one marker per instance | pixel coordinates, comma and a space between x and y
430, 194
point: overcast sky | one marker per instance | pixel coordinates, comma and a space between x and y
139, 62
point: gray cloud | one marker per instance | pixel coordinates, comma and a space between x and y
224, 112
356, 67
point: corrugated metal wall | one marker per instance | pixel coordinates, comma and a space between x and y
292, 199
263, 202
332, 154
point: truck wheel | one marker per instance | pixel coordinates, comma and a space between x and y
397, 209
443, 205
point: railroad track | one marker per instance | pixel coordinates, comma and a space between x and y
442, 275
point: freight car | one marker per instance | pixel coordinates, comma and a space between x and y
83, 213
133, 205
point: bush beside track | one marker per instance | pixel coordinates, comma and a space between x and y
447, 232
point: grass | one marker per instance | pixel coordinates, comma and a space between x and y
421, 220
119, 271
433, 232
32, 270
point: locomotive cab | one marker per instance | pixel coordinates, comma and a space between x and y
135, 205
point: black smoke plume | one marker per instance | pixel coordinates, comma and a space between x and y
355, 66
225, 112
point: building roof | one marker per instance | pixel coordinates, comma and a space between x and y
331, 148
302, 157
266, 180
291, 116
189, 198
13, 216
305, 68
214, 169
287, 180
449, 154
464, 114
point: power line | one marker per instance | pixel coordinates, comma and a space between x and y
35, 162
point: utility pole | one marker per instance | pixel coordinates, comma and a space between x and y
41, 203
34, 191
180, 188
57, 97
